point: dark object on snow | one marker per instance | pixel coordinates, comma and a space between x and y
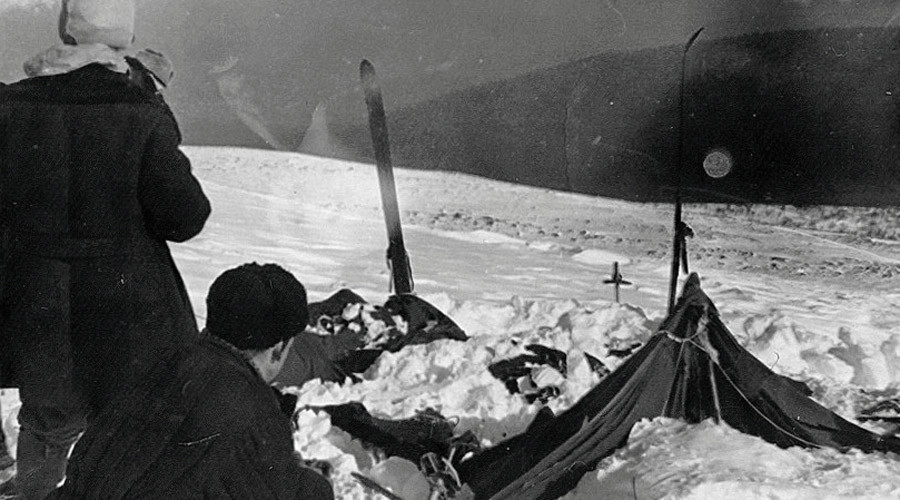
692, 369
552, 357
616, 279
287, 402
624, 353
411, 438
425, 323
597, 366
316, 357
323, 357
204, 424
543, 394
509, 371
358, 361
333, 305
342, 350
885, 411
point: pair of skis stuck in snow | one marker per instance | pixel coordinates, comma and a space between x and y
397, 257
442, 484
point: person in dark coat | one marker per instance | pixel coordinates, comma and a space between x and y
206, 423
92, 186
5, 459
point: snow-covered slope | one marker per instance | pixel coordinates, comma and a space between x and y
514, 265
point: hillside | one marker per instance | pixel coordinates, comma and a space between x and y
252, 73
521, 90
809, 117
511, 274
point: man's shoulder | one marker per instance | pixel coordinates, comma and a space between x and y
91, 84
18, 89
220, 367
228, 392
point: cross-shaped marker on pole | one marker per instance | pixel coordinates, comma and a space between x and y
616, 279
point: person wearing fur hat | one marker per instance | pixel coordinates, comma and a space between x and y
94, 185
206, 423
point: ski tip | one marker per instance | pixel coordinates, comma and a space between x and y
366, 68
693, 38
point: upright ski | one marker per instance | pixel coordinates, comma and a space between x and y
680, 229
401, 273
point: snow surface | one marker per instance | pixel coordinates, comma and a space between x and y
514, 265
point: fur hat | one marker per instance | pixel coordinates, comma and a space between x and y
108, 22
253, 307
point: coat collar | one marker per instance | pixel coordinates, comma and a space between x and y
61, 59
234, 351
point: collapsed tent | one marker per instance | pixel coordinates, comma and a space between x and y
346, 335
693, 369
411, 438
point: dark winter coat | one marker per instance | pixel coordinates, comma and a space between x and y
92, 184
205, 425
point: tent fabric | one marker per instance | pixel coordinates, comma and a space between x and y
338, 356
411, 438
693, 369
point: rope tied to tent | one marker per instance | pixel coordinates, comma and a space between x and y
706, 347
675, 338
767, 419
701, 334
680, 340
700, 340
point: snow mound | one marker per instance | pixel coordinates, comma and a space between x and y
452, 377
667, 458
480, 236
664, 458
859, 359
598, 257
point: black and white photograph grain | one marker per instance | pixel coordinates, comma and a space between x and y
450, 249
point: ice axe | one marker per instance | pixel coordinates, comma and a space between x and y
616, 279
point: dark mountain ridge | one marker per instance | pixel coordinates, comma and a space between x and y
808, 117
509, 89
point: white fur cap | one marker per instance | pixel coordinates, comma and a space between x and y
109, 22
